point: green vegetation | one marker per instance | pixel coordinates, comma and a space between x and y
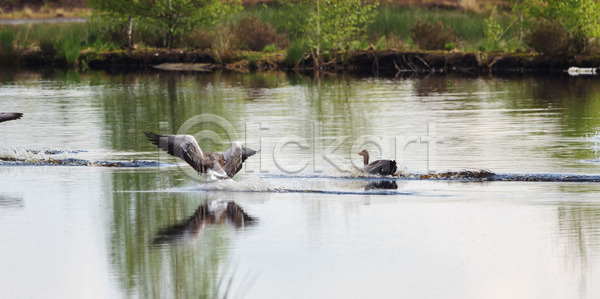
579, 19
334, 24
172, 18
319, 29
397, 21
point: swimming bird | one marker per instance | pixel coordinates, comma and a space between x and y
6, 116
382, 167
221, 165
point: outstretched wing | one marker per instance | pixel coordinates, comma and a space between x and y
184, 147
233, 159
6, 116
235, 156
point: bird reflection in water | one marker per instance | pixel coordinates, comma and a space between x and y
10, 202
381, 185
217, 212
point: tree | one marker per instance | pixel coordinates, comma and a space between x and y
172, 18
333, 24
176, 17
579, 18
119, 10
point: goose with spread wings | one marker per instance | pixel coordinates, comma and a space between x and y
6, 116
221, 165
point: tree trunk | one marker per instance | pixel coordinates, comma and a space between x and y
130, 32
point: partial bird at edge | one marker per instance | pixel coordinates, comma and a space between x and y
6, 116
221, 165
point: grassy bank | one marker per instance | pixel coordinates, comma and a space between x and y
277, 24
391, 22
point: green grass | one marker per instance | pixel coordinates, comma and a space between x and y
398, 20
30, 35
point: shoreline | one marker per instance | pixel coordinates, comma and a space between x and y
364, 62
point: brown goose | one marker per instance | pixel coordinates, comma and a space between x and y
221, 165
6, 116
382, 167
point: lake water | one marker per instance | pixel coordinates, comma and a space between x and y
302, 221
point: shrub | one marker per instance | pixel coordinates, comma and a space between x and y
255, 35
200, 39
428, 36
224, 43
547, 37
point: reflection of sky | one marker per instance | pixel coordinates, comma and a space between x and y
490, 245
55, 247
54, 117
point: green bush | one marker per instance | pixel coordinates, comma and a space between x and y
428, 36
547, 37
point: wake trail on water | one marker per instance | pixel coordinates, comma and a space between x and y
53, 157
256, 184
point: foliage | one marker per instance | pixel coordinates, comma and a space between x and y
69, 48
391, 42
295, 52
224, 43
270, 48
171, 18
286, 16
334, 24
119, 12
450, 46
8, 55
174, 18
428, 36
252, 58
493, 32
397, 21
255, 34
200, 38
7, 38
580, 19
547, 37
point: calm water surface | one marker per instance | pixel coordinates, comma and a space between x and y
305, 223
